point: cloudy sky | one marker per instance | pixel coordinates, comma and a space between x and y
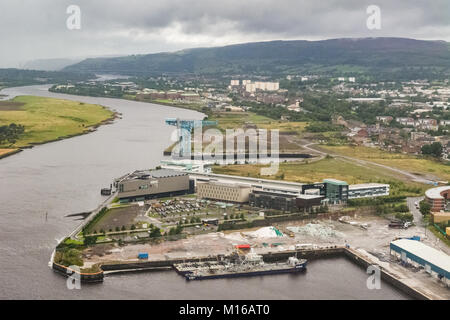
36, 29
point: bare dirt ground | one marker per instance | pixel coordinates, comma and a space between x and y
10, 105
375, 239
119, 217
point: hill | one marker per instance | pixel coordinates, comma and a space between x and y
17, 77
49, 64
383, 57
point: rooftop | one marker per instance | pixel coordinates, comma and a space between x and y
429, 254
335, 181
367, 185
435, 193
254, 182
158, 173
225, 184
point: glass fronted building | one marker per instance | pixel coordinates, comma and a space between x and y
336, 191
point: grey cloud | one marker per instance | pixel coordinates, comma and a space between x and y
32, 29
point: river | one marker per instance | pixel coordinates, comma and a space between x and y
65, 177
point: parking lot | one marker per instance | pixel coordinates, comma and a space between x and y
193, 211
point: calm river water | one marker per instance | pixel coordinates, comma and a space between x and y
66, 176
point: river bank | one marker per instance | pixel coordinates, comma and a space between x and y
65, 177
48, 120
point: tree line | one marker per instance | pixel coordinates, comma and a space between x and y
10, 133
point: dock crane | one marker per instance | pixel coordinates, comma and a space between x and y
184, 128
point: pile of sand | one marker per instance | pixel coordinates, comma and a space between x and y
266, 232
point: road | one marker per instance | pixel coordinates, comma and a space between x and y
418, 219
430, 238
410, 175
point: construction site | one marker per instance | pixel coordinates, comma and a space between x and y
367, 234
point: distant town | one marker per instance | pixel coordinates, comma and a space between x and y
409, 117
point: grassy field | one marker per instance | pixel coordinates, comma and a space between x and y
48, 119
413, 164
238, 120
233, 120
327, 168
113, 218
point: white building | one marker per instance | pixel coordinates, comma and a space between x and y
367, 190
261, 85
250, 87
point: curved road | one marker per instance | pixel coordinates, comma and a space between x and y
410, 175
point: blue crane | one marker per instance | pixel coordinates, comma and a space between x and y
184, 128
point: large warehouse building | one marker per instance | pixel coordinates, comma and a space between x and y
437, 198
414, 252
147, 184
281, 195
230, 192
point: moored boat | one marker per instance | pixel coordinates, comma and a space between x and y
251, 265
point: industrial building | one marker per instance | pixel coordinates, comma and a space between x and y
284, 201
268, 193
255, 183
366, 190
437, 198
306, 201
230, 192
187, 165
147, 184
435, 262
336, 191
315, 188
273, 200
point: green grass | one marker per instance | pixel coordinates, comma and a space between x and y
411, 163
327, 168
439, 235
48, 119
69, 241
163, 101
234, 120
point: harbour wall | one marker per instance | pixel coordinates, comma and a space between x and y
385, 275
331, 251
84, 277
